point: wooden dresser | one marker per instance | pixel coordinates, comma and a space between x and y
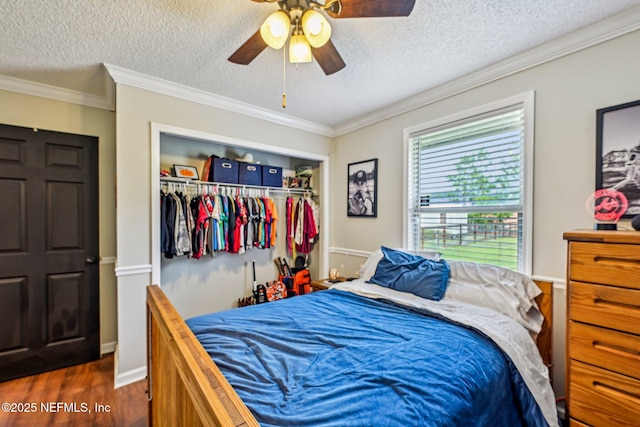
603, 328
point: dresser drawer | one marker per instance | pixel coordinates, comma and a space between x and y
608, 306
606, 263
611, 350
576, 423
602, 398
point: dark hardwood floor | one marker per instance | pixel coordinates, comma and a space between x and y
81, 395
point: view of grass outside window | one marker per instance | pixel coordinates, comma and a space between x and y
466, 188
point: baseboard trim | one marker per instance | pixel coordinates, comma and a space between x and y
108, 347
125, 378
121, 379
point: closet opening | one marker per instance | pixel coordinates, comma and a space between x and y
217, 279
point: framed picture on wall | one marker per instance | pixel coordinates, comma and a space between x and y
362, 188
618, 152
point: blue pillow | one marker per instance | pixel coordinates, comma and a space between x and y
411, 273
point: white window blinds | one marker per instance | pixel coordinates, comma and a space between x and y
466, 188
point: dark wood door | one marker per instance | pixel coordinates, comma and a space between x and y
49, 270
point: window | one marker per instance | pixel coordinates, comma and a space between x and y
469, 185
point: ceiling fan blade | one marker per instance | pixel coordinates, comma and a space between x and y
372, 8
249, 50
329, 59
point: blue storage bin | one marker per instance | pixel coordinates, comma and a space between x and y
249, 174
271, 176
225, 170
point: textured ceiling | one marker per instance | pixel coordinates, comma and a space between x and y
64, 42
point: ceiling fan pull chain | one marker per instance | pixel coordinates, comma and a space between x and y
284, 78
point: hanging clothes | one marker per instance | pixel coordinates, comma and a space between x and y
181, 233
274, 221
167, 225
188, 215
302, 225
241, 219
290, 227
204, 224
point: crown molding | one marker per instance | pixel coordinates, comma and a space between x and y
132, 78
41, 90
616, 26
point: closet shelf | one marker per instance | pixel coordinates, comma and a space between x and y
172, 179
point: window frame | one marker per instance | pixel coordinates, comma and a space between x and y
527, 100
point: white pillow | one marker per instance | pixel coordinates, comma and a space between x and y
368, 269
497, 288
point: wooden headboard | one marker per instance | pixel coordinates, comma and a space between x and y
545, 303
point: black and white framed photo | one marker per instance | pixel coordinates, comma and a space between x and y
188, 172
362, 188
618, 152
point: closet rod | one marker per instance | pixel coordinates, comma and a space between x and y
224, 184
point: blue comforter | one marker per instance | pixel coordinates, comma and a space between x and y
333, 358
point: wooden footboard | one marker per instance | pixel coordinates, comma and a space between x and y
186, 388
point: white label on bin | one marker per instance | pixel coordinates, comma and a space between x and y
273, 170
226, 165
251, 168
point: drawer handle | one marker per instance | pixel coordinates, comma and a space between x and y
601, 301
616, 392
616, 262
621, 351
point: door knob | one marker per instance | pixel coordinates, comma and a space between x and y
91, 260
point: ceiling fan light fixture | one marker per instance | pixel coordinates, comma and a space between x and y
299, 49
275, 29
316, 28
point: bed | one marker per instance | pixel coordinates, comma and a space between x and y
321, 381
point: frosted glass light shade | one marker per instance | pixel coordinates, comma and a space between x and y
275, 29
299, 49
316, 28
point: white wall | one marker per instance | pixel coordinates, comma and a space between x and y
568, 92
136, 110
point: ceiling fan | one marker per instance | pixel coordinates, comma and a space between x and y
303, 23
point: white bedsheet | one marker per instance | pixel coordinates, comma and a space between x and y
512, 338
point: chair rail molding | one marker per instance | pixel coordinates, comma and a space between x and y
132, 270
